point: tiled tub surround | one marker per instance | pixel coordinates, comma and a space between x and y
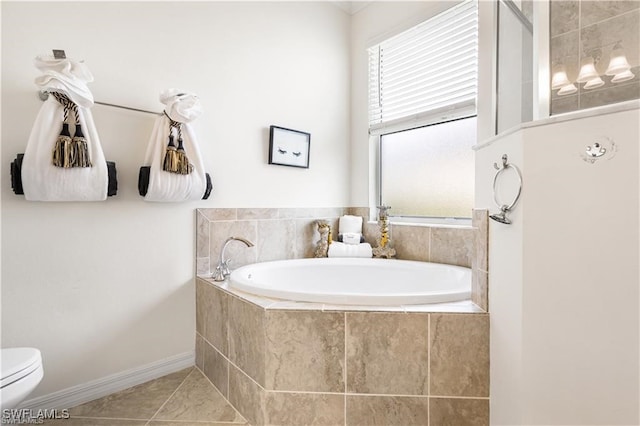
291, 366
291, 233
292, 363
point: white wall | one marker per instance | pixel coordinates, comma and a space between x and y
564, 279
581, 278
505, 278
104, 287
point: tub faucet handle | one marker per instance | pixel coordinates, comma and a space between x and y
222, 270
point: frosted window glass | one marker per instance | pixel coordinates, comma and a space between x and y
429, 171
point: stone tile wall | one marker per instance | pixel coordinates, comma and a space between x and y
291, 233
480, 260
277, 234
581, 28
293, 367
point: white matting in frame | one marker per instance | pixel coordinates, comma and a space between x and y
289, 147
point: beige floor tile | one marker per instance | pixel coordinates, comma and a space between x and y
197, 400
138, 402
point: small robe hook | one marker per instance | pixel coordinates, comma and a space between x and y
504, 163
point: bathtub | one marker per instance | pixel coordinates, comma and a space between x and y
353, 281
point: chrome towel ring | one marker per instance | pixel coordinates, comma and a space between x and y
505, 208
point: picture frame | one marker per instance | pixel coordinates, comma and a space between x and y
288, 147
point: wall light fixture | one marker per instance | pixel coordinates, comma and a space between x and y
618, 67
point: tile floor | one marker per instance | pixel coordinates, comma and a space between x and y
184, 398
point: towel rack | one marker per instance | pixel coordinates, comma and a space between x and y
44, 95
505, 208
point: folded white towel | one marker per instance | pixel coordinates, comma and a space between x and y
351, 237
41, 180
181, 106
348, 224
337, 249
67, 76
167, 186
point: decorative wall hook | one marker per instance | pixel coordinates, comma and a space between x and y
596, 150
602, 148
504, 163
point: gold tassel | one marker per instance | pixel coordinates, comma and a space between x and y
62, 154
175, 159
170, 160
184, 167
80, 147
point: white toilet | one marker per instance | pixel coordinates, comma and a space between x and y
21, 373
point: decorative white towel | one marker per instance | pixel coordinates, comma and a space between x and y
166, 186
351, 237
348, 223
41, 180
67, 76
337, 249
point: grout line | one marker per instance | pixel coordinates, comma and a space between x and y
484, 398
345, 373
226, 398
628, 12
171, 396
579, 48
208, 232
429, 369
227, 328
429, 245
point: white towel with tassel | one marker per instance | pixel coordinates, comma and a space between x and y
337, 249
41, 179
180, 107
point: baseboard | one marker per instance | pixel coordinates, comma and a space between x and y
86, 392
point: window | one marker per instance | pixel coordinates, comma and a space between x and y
422, 104
429, 171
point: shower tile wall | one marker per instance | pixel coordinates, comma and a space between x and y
580, 28
291, 367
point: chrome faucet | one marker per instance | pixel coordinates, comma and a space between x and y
222, 270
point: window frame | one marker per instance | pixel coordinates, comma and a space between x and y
430, 117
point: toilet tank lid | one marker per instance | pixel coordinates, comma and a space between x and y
13, 361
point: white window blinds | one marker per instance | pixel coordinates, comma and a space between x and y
427, 73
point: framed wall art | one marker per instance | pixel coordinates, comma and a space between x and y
289, 147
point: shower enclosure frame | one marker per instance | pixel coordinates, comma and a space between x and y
540, 58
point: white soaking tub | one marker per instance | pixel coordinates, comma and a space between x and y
354, 281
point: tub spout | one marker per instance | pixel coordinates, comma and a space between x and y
222, 270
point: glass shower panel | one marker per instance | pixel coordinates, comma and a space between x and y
515, 86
